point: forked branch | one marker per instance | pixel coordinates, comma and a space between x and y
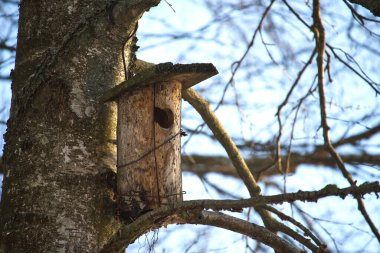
222, 136
194, 212
320, 40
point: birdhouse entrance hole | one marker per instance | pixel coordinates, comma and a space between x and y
164, 117
149, 135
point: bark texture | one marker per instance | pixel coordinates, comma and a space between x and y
56, 194
372, 5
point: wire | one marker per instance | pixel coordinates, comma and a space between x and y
126, 74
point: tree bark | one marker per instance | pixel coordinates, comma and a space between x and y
56, 194
371, 5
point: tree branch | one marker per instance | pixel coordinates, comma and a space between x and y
372, 5
237, 160
127, 12
5, 46
358, 137
320, 43
252, 230
202, 165
193, 212
203, 108
168, 215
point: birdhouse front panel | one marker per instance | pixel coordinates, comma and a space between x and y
167, 118
148, 134
148, 147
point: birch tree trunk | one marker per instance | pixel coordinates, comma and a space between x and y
57, 195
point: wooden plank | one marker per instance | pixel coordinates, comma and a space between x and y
135, 172
149, 148
168, 155
187, 74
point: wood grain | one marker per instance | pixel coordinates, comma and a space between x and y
148, 160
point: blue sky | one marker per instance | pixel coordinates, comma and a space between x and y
259, 95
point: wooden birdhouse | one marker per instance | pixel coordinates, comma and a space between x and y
149, 133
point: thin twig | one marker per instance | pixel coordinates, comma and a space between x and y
236, 65
306, 231
222, 136
133, 33
237, 160
320, 41
170, 5
278, 114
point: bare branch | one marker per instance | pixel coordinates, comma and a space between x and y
202, 164
279, 108
168, 215
193, 212
125, 12
360, 73
306, 231
236, 65
203, 108
246, 228
320, 41
358, 137
4, 46
371, 5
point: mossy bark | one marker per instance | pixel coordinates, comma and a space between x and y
58, 158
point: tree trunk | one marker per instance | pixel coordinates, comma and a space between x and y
57, 195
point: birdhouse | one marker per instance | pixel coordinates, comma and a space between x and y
149, 133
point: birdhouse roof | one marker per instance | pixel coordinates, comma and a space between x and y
187, 74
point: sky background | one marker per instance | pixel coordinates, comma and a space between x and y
168, 35
189, 17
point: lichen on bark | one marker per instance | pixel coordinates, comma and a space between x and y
56, 193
